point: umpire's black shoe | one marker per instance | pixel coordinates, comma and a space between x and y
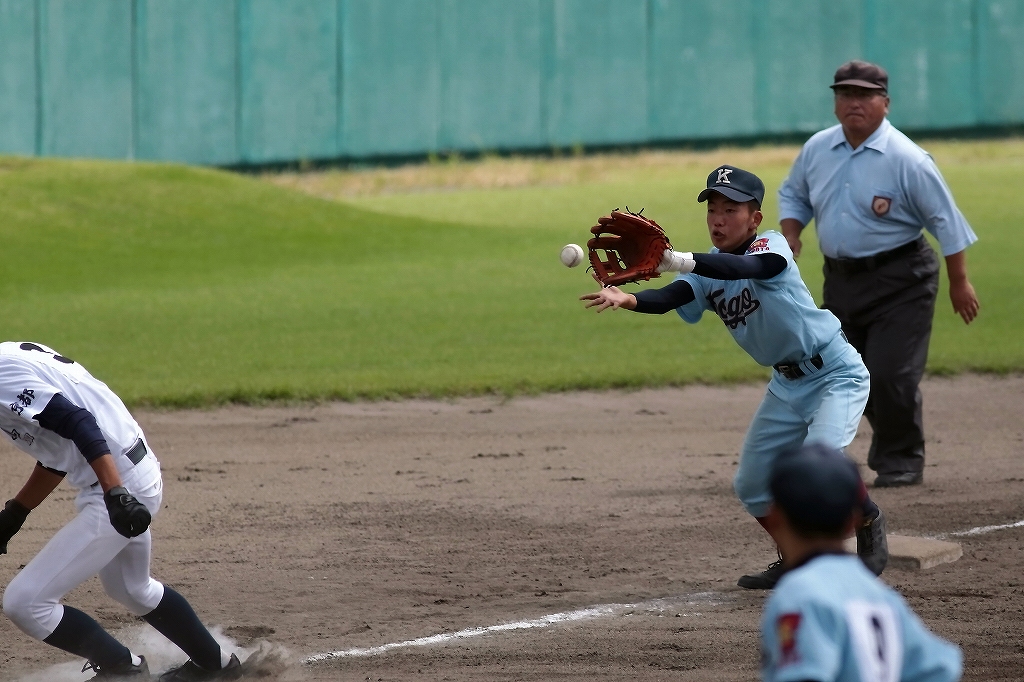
872, 546
765, 580
122, 672
899, 480
190, 672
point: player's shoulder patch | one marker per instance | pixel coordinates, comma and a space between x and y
786, 627
758, 246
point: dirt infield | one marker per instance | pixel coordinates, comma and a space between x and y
342, 527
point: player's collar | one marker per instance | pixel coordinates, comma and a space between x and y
742, 248
814, 555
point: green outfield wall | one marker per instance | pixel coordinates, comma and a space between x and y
262, 81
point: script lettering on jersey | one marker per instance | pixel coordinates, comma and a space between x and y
736, 310
26, 397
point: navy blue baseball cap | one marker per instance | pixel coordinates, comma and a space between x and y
817, 487
734, 183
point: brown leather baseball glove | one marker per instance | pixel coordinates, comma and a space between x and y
633, 246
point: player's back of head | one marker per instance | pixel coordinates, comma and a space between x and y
818, 488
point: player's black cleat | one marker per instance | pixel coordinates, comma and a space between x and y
190, 672
765, 580
872, 546
138, 673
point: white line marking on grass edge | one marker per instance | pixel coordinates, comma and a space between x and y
981, 530
588, 613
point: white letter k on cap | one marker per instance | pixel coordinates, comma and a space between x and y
723, 176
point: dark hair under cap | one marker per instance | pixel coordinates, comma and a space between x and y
818, 488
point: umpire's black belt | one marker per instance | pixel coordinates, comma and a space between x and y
137, 452
853, 266
793, 370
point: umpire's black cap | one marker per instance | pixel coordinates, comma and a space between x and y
818, 488
734, 183
861, 74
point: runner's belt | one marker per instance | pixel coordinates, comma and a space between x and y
852, 266
137, 452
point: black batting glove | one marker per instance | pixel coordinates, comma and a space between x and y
12, 516
128, 516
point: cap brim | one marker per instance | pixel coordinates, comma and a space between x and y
727, 192
859, 84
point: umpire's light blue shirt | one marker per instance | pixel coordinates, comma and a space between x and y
873, 198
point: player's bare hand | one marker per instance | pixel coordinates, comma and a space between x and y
609, 297
965, 301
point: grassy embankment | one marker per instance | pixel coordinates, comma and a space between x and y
183, 286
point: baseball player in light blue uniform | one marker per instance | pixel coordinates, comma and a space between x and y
829, 619
819, 387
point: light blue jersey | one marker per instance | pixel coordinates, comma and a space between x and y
831, 620
871, 199
774, 320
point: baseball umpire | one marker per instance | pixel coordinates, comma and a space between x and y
77, 428
819, 385
829, 619
871, 193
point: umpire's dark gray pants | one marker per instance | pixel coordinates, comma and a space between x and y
886, 314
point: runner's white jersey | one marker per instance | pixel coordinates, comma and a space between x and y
30, 375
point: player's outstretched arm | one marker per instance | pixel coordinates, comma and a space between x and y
609, 297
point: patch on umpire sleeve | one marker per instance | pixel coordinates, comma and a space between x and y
881, 205
786, 627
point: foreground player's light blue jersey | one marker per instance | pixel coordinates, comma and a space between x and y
831, 620
775, 320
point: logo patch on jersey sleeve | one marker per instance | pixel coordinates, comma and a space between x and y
786, 627
881, 205
758, 246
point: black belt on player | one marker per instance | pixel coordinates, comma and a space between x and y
793, 370
137, 452
853, 266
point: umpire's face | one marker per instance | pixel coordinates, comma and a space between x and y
731, 223
860, 110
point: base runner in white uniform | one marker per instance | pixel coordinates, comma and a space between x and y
78, 429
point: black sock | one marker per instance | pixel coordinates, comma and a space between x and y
869, 509
80, 635
174, 619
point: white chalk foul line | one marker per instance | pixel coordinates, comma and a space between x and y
588, 613
981, 530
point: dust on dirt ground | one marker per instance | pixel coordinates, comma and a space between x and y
343, 526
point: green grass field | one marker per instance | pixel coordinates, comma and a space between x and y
183, 286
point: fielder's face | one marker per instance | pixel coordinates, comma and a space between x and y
730, 223
860, 110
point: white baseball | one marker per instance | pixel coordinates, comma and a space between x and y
572, 255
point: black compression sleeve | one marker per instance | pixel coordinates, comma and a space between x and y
731, 266
76, 424
659, 301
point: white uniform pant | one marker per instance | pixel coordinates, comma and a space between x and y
88, 545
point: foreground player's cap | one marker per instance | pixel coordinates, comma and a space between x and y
817, 487
862, 75
734, 183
